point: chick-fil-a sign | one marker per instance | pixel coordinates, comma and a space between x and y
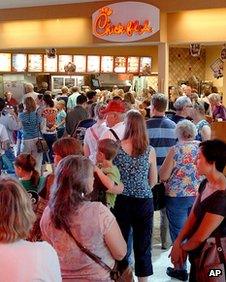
125, 21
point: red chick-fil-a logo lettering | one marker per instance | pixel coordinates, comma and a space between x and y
104, 27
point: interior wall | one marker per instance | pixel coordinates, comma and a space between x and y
45, 33
183, 66
197, 26
212, 53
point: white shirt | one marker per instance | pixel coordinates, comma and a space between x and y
99, 129
11, 123
119, 129
3, 137
24, 261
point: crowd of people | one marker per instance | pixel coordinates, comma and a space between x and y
107, 150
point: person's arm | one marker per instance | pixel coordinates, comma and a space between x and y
115, 242
86, 150
4, 138
205, 133
209, 223
153, 173
167, 166
108, 183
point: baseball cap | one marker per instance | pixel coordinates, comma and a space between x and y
114, 106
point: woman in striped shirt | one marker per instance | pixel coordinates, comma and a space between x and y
31, 123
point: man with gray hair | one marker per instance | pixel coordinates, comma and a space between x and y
183, 107
29, 92
161, 132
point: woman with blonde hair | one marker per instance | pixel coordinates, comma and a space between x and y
202, 125
31, 123
136, 161
28, 261
218, 110
67, 218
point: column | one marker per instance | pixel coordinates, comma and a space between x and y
163, 68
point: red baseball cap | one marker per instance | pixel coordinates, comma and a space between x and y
114, 106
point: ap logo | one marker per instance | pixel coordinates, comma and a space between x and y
215, 272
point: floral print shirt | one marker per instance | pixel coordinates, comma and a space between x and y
184, 180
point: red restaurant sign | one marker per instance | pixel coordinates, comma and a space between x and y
125, 21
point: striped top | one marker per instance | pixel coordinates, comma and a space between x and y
161, 133
30, 124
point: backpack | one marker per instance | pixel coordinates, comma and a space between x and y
81, 127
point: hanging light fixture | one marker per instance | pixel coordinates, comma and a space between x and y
70, 68
51, 53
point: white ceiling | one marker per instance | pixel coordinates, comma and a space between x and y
5, 4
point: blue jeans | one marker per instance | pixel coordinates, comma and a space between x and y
177, 210
60, 132
136, 213
50, 139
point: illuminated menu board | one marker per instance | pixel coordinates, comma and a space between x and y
63, 61
120, 64
80, 63
19, 62
5, 62
145, 65
34, 63
50, 64
93, 63
107, 63
133, 64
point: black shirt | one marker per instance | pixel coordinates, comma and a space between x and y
215, 204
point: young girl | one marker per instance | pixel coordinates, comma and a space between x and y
60, 119
28, 175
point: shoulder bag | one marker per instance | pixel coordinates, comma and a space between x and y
158, 192
116, 274
41, 144
211, 264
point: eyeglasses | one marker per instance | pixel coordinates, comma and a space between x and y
189, 106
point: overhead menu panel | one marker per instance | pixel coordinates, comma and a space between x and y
34, 63
19, 62
5, 62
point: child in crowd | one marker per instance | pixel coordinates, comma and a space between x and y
107, 172
28, 176
60, 119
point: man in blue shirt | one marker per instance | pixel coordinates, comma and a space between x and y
161, 132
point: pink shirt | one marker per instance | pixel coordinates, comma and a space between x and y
89, 226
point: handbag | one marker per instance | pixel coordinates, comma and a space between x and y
211, 264
158, 192
41, 144
116, 273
